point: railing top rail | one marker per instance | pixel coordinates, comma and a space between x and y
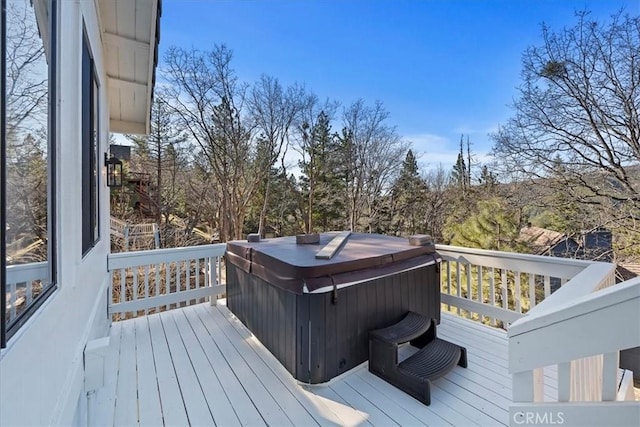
443, 249
601, 322
24, 272
156, 256
563, 304
580, 304
564, 268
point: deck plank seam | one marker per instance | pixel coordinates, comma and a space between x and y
446, 384
155, 369
351, 401
171, 356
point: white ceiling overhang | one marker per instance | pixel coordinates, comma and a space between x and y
131, 32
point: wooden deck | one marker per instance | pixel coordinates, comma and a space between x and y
200, 366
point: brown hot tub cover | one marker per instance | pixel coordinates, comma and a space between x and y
289, 266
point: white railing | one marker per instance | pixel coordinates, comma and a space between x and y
143, 282
500, 287
24, 282
579, 331
117, 226
561, 314
133, 233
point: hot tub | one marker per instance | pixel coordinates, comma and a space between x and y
314, 315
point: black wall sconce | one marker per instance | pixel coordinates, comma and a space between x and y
114, 171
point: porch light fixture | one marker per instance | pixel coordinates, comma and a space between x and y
114, 171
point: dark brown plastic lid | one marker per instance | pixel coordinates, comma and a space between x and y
289, 266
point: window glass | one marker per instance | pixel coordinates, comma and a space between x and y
28, 66
90, 135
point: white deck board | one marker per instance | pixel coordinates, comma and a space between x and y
200, 366
394, 411
106, 396
436, 414
126, 412
213, 391
173, 410
357, 400
192, 395
265, 403
292, 407
242, 405
149, 410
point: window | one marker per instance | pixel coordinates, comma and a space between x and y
90, 199
27, 129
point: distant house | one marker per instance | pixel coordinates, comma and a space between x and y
627, 271
594, 245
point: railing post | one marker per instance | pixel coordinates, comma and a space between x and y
522, 388
448, 282
467, 270
126, 237
213, 299
518, 292
458, 284
156, 235
564, 382
528, 386
610, 362
503, 288
492, 292
532, 290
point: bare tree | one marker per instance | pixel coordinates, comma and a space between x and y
578, 113
25, 105
210, 102
273, 111
373, 154
27, 79
437, 202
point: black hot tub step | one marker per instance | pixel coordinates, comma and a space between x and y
435, 358
412, 326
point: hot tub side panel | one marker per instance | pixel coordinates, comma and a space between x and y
316, 336
270, 313
340, 332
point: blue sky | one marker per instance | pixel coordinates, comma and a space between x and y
441, 68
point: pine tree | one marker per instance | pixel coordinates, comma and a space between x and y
461, 173
493, 226
408, 197
321, 181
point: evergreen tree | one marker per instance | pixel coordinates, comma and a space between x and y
321, 168
408, 198
494, 225
461, 173
487, 179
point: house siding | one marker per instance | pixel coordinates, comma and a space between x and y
42, 366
